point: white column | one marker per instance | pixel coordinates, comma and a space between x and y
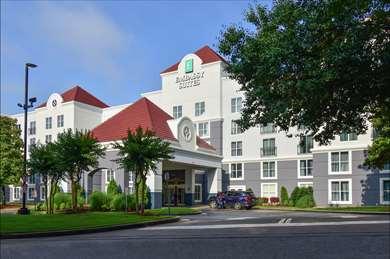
154, 182
214, 180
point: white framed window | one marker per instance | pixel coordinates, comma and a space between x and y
236, 148
237, 171
131, 177
339, 162
267, 128
110, 175
32, 143
198, 193
131, 189
236, 104
305, 184
31, 193
269, 148
177, 111
200, 108
31, 179
269, 190
345, 136
237, 188
340, 191
269, 170
16, 194
235, 128
48, 122
203, 129
33, 128
305, 168
42, 193
386, 168
384, 190
60, 121
47, 139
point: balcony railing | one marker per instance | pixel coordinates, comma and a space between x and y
304, 149
268, 151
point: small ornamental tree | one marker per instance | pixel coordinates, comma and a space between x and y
78, 151
11, 150
112, 188
283, 196
140, 152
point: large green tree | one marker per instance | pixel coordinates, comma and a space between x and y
11, 152
140, 152
323, 64
44, 161
78, 152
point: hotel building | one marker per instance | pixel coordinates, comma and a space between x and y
195, 111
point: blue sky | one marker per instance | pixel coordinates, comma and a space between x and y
114, 49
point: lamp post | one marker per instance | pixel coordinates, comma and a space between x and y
25, 107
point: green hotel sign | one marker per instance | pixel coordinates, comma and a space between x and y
189, 66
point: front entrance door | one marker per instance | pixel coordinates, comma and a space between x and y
174, 188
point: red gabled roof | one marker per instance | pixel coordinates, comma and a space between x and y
206, 54
142, 113
203, 144
78, 94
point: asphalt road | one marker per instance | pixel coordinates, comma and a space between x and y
225, 234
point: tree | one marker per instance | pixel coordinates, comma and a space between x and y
112, 188
140, 152
77, 151
11, 150
283, 196
319, 64
44, 161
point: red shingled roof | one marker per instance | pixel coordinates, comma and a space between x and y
203, 144
142, 113
80, 95
206, 54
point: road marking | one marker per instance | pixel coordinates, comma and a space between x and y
221, 226
288, 221
284, 221
281, 221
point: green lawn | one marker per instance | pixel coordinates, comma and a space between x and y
45, 223
174, 211
379, 209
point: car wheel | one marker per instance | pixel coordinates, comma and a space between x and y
237, 206
213, 204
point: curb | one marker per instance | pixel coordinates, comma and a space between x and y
326, 211
89, 230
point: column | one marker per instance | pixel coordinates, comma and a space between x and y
154, 182
214, 181
189, 186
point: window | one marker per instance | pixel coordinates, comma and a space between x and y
31, 193
267, 128
33, 128
386, 167
237, 188
42, 193
17, 193
340, 191
305, 184
189, 66
269, 190
60, 121
48, 123
18, 126
47, 139
236, 129
305, 168
199, 108
177, 111
203, 129
110, 175
305, 144
32, 143
131, 177
236, 104
268, 148
236, 171
385, 190
345, 136
340, 162
269, 170
198, 193
236, 148
31, 179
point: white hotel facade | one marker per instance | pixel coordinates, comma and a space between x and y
198, 98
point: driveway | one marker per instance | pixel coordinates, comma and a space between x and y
225, 234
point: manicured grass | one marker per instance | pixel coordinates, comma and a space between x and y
174, 211
45, 223
378, 209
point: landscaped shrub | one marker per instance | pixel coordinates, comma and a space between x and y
98, 201
118, 202
306, 201
262, 200
112, 188
295, 195
274, 200
299, 193
62, 200
283, 196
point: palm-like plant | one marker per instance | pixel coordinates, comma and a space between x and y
78, 151
140, 152
44, 161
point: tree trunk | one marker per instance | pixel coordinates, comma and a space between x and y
136, 191
3, 198
143, 183
45, 181
74, 193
